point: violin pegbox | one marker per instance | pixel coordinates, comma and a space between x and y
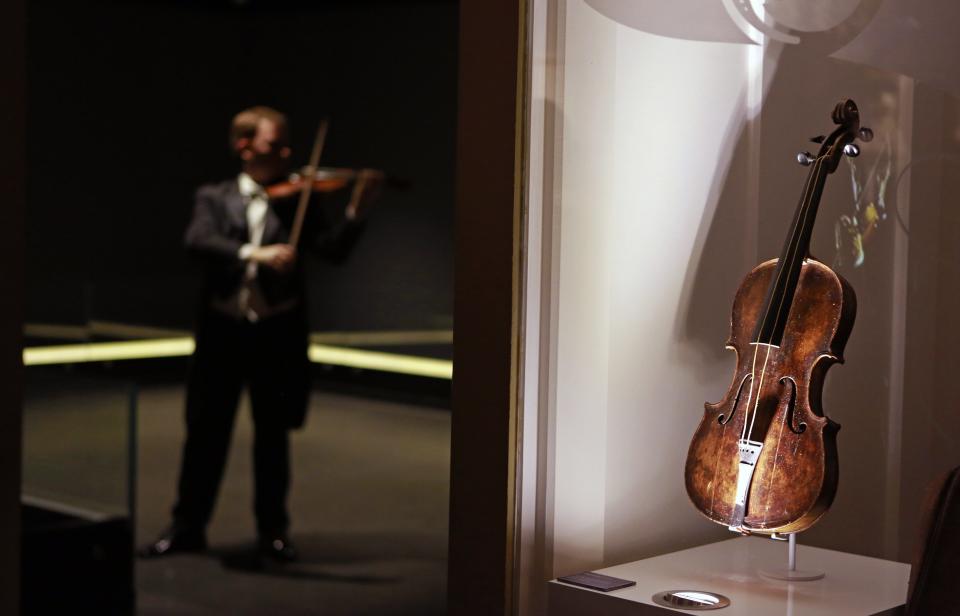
847, 116
840, 142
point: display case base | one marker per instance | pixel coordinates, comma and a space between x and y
854, 585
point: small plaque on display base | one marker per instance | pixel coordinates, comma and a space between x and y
596, 581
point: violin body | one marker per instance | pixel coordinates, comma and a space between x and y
327, 180
775, 396
323, 180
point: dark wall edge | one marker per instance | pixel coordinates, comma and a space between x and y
486, 308
12, 187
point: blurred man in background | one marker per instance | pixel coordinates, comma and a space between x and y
251, 330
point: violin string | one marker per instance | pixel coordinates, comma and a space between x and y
792, 251
793, 247
753, 380
773, 471
763, 373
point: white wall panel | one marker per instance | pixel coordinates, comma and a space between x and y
672, 149
586, 122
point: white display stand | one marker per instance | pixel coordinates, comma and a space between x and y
854, 585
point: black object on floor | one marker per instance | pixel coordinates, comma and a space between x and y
72, 563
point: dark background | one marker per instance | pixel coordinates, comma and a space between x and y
129, 105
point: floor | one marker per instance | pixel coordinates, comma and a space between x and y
369, 507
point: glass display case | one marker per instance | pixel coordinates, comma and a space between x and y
662, 145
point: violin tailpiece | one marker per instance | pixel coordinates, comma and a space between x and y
749, 454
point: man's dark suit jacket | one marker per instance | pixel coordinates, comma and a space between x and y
214, 237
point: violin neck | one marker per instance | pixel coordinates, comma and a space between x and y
795, 250
798, 240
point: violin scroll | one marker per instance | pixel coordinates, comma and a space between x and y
846, 112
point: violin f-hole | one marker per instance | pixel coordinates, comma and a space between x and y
792, 407
723, 419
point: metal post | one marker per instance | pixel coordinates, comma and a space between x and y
791, 573
132, 452
792, 552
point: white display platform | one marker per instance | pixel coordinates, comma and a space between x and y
854, 585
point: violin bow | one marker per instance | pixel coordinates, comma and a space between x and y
359, 186
308, 183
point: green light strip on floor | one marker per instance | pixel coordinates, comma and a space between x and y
181, 347
107, 351
385, 362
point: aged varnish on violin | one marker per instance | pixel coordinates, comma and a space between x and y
764, 458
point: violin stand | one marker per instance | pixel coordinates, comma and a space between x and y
791, 573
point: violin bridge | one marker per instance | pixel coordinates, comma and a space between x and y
749, 454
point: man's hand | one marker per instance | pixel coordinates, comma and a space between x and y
279, 257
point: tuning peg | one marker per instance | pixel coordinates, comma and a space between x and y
805, 158
851, 150
817, 139
865, 134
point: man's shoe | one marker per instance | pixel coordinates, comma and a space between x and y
173, 541
279, 548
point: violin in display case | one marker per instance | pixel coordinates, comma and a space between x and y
764, 458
